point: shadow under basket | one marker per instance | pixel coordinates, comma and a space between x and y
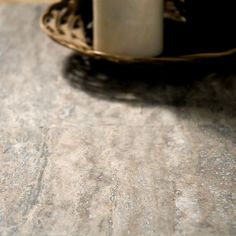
69, 23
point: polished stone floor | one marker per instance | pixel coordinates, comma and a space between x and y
92, 148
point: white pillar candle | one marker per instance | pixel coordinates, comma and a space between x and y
128, 27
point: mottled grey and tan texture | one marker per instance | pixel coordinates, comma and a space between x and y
87, 150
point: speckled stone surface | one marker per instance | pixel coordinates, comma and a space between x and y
92, 148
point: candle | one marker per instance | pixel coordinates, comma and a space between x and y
128, 27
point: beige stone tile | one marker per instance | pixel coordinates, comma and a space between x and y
27, 1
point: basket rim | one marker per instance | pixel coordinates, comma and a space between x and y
85, 50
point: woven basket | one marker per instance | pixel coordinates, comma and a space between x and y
69, 23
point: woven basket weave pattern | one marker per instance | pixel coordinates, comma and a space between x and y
64, 23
